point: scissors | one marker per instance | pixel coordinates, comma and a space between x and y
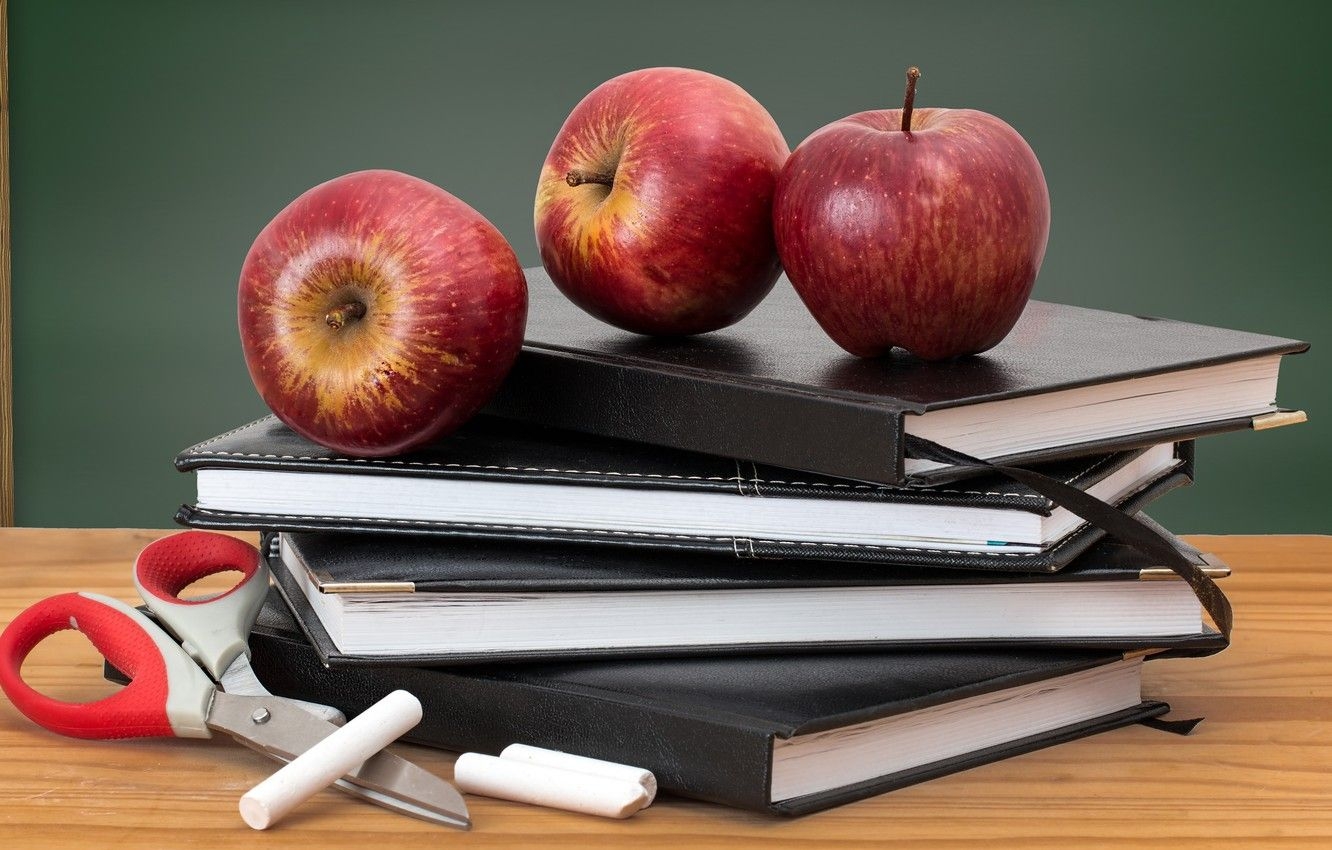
170, 694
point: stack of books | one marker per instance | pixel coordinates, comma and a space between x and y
778, 577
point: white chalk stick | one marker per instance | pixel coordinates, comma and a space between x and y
583, 764
540, 785
341, 752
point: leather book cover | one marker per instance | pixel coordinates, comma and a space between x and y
493, 449
774, 389
705, 726
431, 564
1119, 563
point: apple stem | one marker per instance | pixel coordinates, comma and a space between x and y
349, 312
913, 74
578, 178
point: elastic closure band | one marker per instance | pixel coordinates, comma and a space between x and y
1106, 517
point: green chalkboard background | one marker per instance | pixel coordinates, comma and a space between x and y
1185, 146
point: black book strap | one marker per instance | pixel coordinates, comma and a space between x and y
1110, 519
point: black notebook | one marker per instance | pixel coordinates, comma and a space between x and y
774, 389
497, 478
785, 734
416, 599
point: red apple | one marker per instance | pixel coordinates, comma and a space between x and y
654, 206
923, 229
378, 312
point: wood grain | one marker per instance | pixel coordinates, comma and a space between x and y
1258, 772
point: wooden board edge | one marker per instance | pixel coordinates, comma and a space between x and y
6, 313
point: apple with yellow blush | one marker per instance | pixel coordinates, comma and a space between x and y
378, 312
654, 206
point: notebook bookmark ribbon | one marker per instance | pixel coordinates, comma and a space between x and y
1174, 727
1108, 518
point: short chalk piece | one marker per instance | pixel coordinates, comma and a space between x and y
553, 787
583, 764
323, 764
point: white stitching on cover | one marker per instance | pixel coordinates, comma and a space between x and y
198, 451
658, 535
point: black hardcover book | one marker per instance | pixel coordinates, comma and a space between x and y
417, 599
784, 734
774, 389
501, 479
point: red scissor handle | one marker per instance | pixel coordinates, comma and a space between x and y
168, 694
167, 566
213, 631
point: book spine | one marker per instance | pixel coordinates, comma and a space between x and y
709, 759
787, 429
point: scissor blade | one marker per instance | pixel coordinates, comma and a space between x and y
239, 678
434, 814
283, 731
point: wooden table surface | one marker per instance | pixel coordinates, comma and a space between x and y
1258, 772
